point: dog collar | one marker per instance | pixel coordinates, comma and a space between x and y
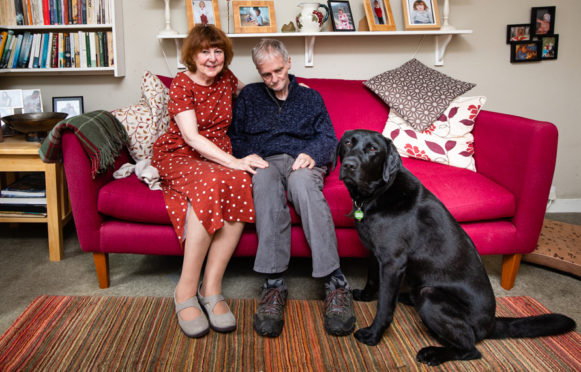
358, 214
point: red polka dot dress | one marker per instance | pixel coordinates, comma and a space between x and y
216, 193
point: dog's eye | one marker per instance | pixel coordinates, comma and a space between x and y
348, 143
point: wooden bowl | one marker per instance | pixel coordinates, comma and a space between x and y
34, 122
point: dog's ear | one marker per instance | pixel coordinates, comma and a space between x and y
392, 160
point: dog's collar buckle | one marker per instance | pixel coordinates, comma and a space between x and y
358, 214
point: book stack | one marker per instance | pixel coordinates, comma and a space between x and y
25, 196
80, 49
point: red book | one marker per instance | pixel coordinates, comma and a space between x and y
45, 12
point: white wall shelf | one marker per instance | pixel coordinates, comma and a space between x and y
442, 39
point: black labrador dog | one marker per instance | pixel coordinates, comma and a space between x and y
413, 236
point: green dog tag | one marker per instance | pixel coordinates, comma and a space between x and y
358, 215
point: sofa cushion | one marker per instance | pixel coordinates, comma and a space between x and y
130, 199
146, 120
468, 195
448, 140
350, 104
418, 93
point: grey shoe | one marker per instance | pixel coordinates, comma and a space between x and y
339, 313
218, 322
197, 327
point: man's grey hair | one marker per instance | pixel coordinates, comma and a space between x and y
267, 48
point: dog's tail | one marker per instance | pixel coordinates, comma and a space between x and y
532, 326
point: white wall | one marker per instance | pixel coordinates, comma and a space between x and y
547, 90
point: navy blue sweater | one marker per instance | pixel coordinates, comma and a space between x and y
265, 126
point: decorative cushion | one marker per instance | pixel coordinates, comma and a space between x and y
419, 94
448, 140
146, 120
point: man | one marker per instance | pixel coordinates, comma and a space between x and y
288, 126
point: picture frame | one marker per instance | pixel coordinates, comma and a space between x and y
416, 18
31, 101
341, 16
518, 32
543, 21
202, 12
11, 98
525, 51
254, 17
549, 46
73, 106
379, 15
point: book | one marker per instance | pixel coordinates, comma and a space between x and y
93, 48
6, 49
19, 12
30, 186
83, 49
110, 52
15, 200
25, 50
16, 53
45, 47
67, 49
23, 208
28, 214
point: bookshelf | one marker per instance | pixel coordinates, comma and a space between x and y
105, 31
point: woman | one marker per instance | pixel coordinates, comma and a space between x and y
207, 191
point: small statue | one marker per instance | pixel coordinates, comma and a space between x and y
290, 27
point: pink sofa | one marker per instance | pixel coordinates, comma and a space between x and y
501, 206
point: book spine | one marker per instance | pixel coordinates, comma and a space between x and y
6, 50
19, 12
83, 49
16, 54
67, 49
46, 12
3, 38
77, 54
93, 49
25, 52
45, 48
101, 41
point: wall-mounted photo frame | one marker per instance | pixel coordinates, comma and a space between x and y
202, 12
549, 46
525, 51
420, 15
520, 32
11, 98
379, 15
254, 17
73, 106
31, 101
543, 20
341, 16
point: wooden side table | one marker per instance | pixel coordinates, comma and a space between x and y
18, 155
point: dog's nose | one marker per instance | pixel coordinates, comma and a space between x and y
349, 164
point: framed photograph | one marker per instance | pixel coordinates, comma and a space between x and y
254, 17
525, 51
73, 106
11, 98
519, 32
32, 101
341, 16
420, 15
202, 12
550, 46
543, 20
379, 16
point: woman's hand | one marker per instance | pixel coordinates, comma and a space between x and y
248, 163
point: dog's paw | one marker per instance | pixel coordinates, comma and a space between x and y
362, 295
367, 336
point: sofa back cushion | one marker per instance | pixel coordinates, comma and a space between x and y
350, 104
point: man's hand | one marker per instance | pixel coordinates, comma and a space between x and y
303, 161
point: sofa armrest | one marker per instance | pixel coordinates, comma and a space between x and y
84, 190
519, 154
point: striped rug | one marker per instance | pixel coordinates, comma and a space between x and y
67, 333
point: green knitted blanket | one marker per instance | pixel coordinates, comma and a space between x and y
99, 132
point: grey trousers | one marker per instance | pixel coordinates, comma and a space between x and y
303, 188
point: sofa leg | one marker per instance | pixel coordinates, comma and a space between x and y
102, 267
510, 265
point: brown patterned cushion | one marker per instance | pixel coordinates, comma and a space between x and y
419, 94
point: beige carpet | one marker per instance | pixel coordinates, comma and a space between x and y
559, 247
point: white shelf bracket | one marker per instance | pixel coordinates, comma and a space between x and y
442, 42
309, 51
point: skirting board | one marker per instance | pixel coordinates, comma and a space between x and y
565, 206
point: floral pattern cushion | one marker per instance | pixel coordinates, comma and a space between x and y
448, 140
418, 93
146, 120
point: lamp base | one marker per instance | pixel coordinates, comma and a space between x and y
168, 31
